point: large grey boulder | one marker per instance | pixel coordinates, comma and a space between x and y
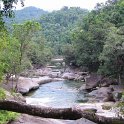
55, 74
95, 80
103, 94
106, 82
69, 76
92, 81
27, 84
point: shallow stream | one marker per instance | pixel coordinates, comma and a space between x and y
57, 94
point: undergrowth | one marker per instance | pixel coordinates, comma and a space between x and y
6, 116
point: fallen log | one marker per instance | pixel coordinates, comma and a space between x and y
57, 113
46, 112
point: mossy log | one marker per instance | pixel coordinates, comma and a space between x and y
57, 113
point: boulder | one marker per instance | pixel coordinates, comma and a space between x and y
27, 84
82, 88
55, 74
103, 94
95, 80
107, 105
117, 96
79, 77
105, 82
69, 76
14, 96
43, 80
118, 92
92, 81
36, 72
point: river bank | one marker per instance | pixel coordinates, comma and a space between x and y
26, 84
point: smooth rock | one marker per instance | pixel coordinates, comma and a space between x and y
14, 96
27, 119
92, 81
69, 76
102, 94
106, 82
27, 84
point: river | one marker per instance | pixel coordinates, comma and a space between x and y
59, 94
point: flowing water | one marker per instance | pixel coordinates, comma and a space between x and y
57, 94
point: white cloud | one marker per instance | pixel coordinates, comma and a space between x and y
58, 4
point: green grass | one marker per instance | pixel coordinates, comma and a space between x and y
6, 116
2, 94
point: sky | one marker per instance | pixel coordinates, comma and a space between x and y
51, 5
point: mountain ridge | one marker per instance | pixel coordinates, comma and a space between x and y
27, 13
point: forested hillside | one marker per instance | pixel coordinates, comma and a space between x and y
98, 42
58, 25
28, 13
91, 40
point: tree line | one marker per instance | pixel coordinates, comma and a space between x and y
97, 43
22, 46
93, 41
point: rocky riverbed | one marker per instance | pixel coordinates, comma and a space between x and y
98, 94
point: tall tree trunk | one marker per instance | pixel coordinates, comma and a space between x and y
57, 113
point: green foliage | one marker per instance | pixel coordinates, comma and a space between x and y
68, 52
113, 54
8, 5
121, 106
2, 94
58, 25
3, 45
99, 38
6, 116
32, 43
10, 55
7, 11
26, 46
24, 34
39, 53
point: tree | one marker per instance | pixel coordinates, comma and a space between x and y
112, 56
3, 45
58, 25
8, 5
24, 33
7, 11
91, 36
9, 56
39, 53
15, 48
